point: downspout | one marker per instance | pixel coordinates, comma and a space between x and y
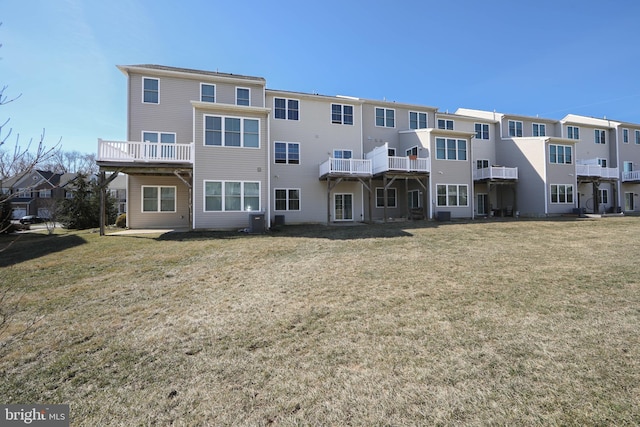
544, 162
268, 148
618, 183
192, 220
363, 156
473, 186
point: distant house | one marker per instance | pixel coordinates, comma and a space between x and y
35, 193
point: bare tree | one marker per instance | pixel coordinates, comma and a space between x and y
21, 159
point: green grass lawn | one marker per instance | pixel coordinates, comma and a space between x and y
480, 323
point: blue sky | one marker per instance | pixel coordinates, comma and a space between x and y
546, 58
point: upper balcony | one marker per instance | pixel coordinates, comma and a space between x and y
591, 168
140, 153
631, 176
382, 162
345, 168
495, 173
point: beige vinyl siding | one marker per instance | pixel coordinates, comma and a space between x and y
529, 156
138, 219
172, 114
317, 137
213, 163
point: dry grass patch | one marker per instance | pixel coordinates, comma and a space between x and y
521, 323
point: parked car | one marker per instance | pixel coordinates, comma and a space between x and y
31, 219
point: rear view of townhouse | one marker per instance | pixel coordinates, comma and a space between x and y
209, 150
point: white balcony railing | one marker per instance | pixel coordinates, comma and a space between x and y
346, 167
631, 176
495, 172
596, 170
382, 162
134, 151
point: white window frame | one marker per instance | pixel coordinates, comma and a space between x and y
248, 89
538, 129
159, 200
287, 109
564, 154
412, 151
457, 149
223, 196
44, 193
566, 194
287, 199
603, 196
624, 166
342, 114
480, 163
223, 131
385, 117
381, 197
214, 92
516, 124
602, 162
637, 133
419, 114
448, 188
411, 195
287, 161
391, 152
482, 131
573, 132
340, 150
143, 90
599, 136
625, 136
335, 207
444, 124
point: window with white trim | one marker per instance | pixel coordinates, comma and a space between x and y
44, 193
207, 92
392, 197
342, 114
560, 154
452, 195
287, 153
573, 132
482, 130
515, 128
287, 199
451, 149
243, 96
286, 109
445, 124
165, 152
599, 136
342, 154
413, 151
158, 198
637, 137
482, 164
231, 132
417, 120
385, 117
625, 136
561, 193
539, 129
231, 196
150, 90
602, 163
603, 196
